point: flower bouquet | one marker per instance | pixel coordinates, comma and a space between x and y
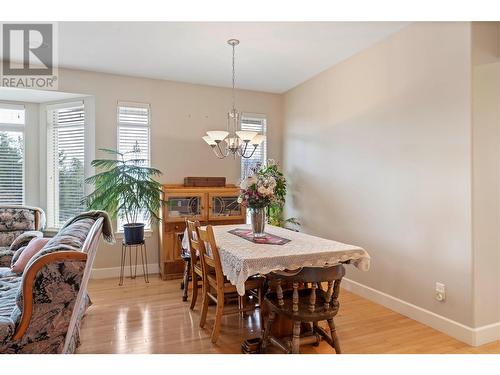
264, 194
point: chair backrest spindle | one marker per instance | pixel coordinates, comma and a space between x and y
279, 293
295, 297
329, 294
312, 297
194, 245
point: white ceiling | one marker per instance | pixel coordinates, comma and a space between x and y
34, 96
272, 57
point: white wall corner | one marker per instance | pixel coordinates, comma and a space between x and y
471, 336
486, 334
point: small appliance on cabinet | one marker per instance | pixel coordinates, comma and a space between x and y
209, 205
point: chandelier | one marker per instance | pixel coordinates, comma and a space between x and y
233, 141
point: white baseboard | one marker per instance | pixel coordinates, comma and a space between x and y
486, 334
106, 273
471, 336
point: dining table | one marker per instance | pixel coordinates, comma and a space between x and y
243, 257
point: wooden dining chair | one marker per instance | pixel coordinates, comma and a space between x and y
195, 263
307, 302
214, 280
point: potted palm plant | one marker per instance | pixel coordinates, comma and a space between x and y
125, 187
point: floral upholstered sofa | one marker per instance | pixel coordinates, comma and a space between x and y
41, 309
18, 225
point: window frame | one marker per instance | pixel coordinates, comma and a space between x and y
90, 144
259, 117
10, 127
120, 103
52, 212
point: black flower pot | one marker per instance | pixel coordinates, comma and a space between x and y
133, 233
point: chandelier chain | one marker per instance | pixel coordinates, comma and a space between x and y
234, 80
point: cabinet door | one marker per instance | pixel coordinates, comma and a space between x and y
224, 206
180, 206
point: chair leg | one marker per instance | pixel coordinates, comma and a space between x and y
204, 304
194, 294
185, 281
333, 333
218, 315
296, 337
267, 331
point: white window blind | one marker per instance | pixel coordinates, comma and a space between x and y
12, 118
65, 162
134, 130
258, 125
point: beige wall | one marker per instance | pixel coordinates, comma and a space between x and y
377, 149
486, 171
180, 115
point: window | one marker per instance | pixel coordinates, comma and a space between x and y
256, 124
12, 118
65, 162
134, 129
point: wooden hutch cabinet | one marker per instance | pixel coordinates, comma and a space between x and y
209, 205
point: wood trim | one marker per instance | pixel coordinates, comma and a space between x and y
29, 278
175, 188
37, 220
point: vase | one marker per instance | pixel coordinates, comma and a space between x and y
258, 220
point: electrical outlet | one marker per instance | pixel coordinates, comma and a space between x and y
440, 292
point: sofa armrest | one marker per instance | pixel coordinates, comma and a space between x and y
47, 309
24, 238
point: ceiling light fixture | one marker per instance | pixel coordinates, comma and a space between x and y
233, 141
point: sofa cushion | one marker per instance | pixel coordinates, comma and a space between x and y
7, 237
9, 316
71, 237
24, 238
14, 219
35, 245
6, 255
7, 272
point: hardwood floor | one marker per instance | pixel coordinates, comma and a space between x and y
151, 318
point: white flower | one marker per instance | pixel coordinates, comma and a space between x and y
272, 182
240, 200
251, 180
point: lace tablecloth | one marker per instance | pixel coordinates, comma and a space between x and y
241, 258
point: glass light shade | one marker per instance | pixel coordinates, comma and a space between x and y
246, 135
258, 139
217, 135
209, 140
